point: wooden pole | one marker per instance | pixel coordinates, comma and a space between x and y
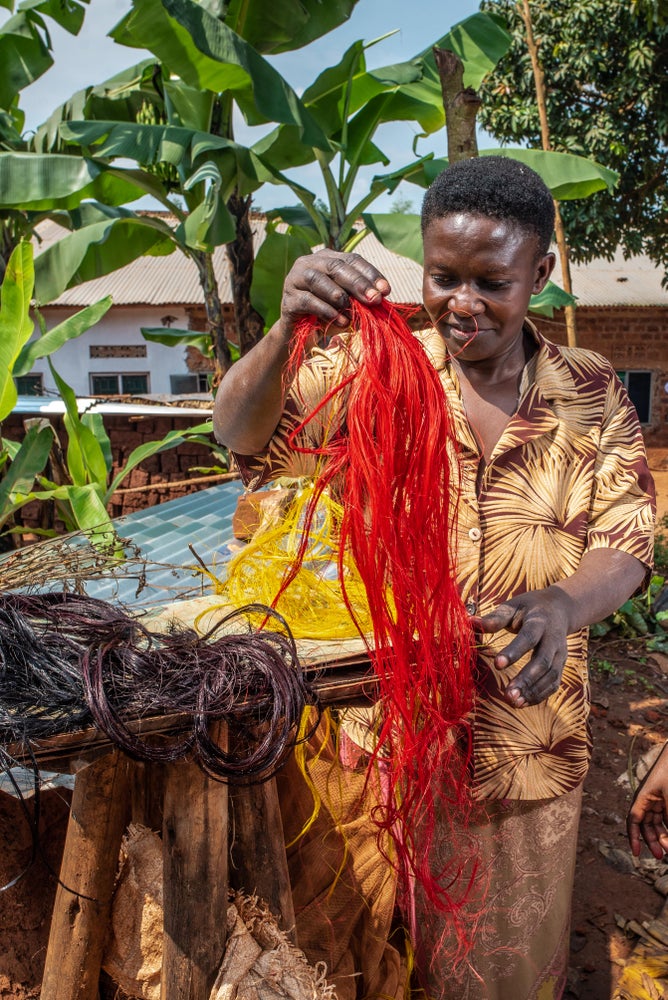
194, 842
90, 860
560, 234
259, 862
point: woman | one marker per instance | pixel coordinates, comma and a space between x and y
554, 532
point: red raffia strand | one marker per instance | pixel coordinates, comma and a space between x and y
393, 461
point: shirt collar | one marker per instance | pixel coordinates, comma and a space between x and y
547, 369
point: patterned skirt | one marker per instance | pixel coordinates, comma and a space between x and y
518, 913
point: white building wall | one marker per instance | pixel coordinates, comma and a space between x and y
120, 327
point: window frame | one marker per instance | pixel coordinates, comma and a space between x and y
120, 387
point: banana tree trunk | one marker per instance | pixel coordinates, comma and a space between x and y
214, 313
461, 106
240, 253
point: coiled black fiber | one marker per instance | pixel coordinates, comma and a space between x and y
68, 661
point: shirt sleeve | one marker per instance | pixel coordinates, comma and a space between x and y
313, 413
623, 503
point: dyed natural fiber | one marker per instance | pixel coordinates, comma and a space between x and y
391, 463
67, 662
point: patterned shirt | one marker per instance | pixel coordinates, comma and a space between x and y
568, 475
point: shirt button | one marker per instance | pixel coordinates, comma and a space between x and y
471, 607
475, 534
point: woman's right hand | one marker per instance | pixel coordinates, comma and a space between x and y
321, 284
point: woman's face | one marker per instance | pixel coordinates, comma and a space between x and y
479, 274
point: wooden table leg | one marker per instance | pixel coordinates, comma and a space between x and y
257, 848
195, 848
90, 860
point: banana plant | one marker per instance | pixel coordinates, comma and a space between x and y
351, 102
172, 115
82, 497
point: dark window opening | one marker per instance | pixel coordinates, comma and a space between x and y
114, 385
181, 385
639, 387
30, 385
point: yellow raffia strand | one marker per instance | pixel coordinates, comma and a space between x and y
313, 604
302, 764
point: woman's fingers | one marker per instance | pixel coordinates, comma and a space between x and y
323, 283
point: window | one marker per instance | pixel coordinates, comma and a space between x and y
181, 385
30, 385
131, 384
639, 387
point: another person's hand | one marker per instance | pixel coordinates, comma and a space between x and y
321, 284
648, 815
541, 619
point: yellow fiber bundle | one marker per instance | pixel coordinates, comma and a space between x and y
313, 604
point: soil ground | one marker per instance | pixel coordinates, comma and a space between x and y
629, 717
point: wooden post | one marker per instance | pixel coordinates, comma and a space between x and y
146, 793
559, 231
194, 843
257, 848
90, 860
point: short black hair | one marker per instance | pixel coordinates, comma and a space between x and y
496, 186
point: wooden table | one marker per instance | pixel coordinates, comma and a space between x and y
193, 812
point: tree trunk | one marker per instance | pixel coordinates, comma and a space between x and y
214, 313
541, 100
461, 106
249, 323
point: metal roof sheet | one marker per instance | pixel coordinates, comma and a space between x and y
617, 282
163, 535
159, 567
173, 280
49, 406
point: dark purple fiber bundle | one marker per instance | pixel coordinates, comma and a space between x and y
69, 661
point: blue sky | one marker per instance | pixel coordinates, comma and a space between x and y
92, 57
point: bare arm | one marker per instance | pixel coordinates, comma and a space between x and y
543, 619
648, 815
249, 401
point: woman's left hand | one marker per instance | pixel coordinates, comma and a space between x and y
542, 621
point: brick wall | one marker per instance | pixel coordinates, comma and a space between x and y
162, 477
631, 338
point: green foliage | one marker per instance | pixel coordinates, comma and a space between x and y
81, 502
350, 101
606, 75
661, 547
25, 42
638, 620
16, 325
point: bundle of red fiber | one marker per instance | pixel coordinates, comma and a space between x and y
394, 461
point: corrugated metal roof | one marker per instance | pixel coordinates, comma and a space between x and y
617, 282
163, 534
173, 280
159, 566
49, 406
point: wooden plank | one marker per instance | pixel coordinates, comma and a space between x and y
342, 684
257, 849
90, 859
195, 853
